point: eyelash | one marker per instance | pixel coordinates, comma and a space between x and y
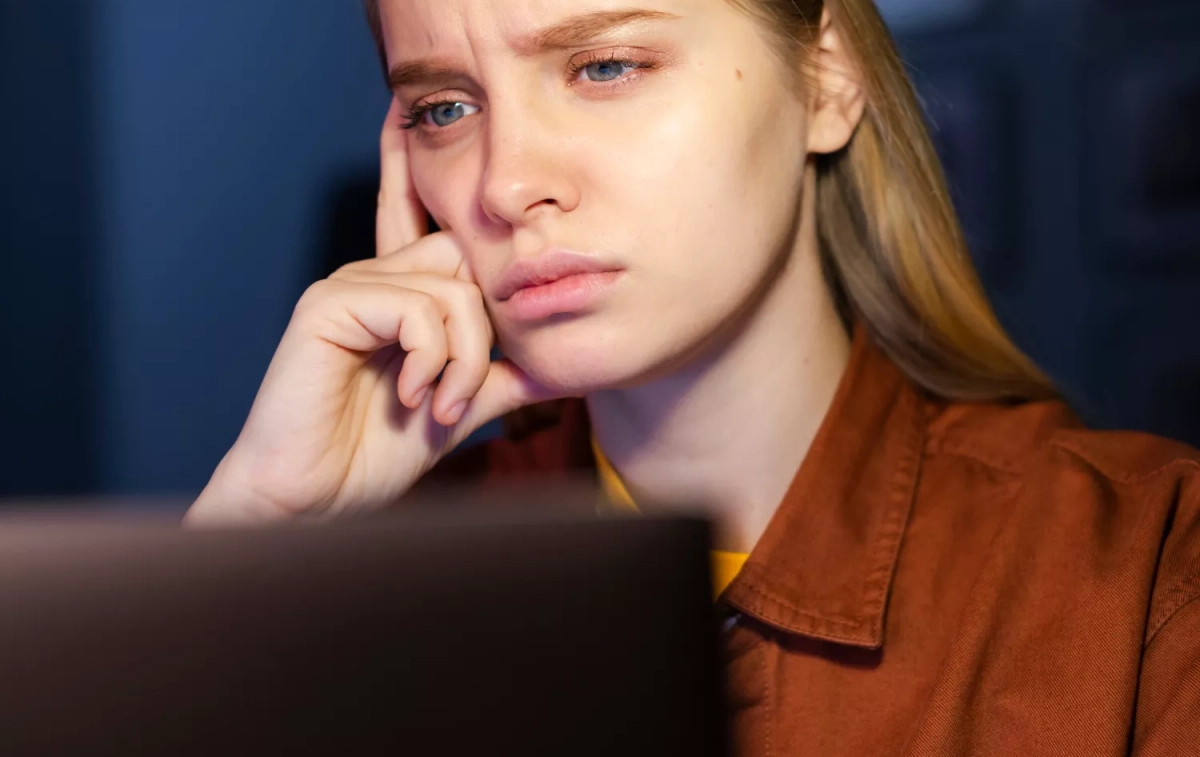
412, 119
612, 57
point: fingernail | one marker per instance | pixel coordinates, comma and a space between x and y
419, 397
456, 412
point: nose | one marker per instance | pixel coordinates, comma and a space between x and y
527, 170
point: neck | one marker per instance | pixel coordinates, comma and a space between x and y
728, 432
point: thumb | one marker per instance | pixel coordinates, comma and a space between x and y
507, 388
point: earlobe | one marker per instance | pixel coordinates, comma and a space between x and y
838, 100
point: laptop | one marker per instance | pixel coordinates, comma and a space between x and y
400, 635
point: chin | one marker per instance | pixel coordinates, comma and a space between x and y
576, 357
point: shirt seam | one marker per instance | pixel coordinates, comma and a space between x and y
894, 523
942, 445
1184, 591
767, 678
850, 625
1189, 592
1124, 477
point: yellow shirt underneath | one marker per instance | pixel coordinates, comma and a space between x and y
725, 565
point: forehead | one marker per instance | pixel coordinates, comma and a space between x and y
425, 27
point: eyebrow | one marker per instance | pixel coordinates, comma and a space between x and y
571, 32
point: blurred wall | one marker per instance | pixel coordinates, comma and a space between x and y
172, 178
1071, 133
222, 126
176, 173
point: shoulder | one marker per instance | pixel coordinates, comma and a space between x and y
1045, 439
1114, 495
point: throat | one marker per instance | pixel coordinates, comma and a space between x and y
724, 437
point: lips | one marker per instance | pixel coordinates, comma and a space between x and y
558, 283
548, 269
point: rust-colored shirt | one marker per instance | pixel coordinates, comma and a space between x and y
948, 578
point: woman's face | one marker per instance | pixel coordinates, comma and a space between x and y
656, 151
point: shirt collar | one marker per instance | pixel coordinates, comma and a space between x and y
825, 564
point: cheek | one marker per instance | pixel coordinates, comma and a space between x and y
716, 183
445, 186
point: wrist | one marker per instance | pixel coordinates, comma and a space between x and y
230, 498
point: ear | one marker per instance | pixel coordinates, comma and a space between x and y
837, 100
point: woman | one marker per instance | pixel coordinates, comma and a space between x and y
722, 224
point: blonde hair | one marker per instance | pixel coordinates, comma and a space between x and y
891, 243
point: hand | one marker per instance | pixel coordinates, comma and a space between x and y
351, 412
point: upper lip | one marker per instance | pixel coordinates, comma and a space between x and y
547, 269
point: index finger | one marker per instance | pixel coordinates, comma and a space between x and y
399, 216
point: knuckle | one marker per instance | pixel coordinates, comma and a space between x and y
315, 297
350, 270
466, 296
457, 296
473, 294
425, 305
479, 370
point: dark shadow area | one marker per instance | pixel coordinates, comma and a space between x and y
350, 222
48, 377
349, 227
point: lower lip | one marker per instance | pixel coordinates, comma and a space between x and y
570, 294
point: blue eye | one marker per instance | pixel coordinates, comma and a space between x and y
445, 114
608, 70
438, 115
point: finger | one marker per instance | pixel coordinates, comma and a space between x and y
469, 335
507, 388
365, 317
437, 253
400, 216
423, 339
457, 298
469, 339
